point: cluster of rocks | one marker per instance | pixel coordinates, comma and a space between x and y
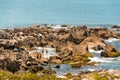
100, 75
71, 44
116, 27
93, 75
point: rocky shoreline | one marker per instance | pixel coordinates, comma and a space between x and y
31, 48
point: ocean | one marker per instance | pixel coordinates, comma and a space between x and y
18, 13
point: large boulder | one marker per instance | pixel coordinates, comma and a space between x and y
5, 35
103, 33
88, 43
9, 44
8, 54
75, 35
93, 41
110, 51
78, 34
8, 64
35, 55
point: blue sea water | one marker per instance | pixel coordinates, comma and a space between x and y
29, 12
16, 13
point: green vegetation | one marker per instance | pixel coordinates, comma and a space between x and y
68, 61
4, 75
83, 58
69, 75
114, 54
73, 77
100, 76
97, 76
78, 61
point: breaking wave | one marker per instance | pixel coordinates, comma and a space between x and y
110, 40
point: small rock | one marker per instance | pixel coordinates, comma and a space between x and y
76, 64
40, 74
56, 61
57, 66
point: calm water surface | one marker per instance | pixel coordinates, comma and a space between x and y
28, 12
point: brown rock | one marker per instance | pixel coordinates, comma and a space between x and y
56, 61
5, 35
35, 68
8, 65
76, 64
35, 55
110, 51
43, 61
78, 34
49, 71
52, 57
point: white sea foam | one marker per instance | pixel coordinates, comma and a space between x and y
93, 51
100, 59
110, 40
60, 76
58, 26
46, 52
91, 69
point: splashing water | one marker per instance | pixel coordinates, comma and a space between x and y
46, 52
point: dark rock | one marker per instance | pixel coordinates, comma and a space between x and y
110, 51
49, 71
78, 34
35, 68
57, 66
115, 26
9, 65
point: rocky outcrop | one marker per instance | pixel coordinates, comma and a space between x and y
5, 35
103, 33
72, 44
78, 34
110, 51
8, 64
100, 75
115, 26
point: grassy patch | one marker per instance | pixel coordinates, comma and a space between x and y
97, 76
114, 54
4, 75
